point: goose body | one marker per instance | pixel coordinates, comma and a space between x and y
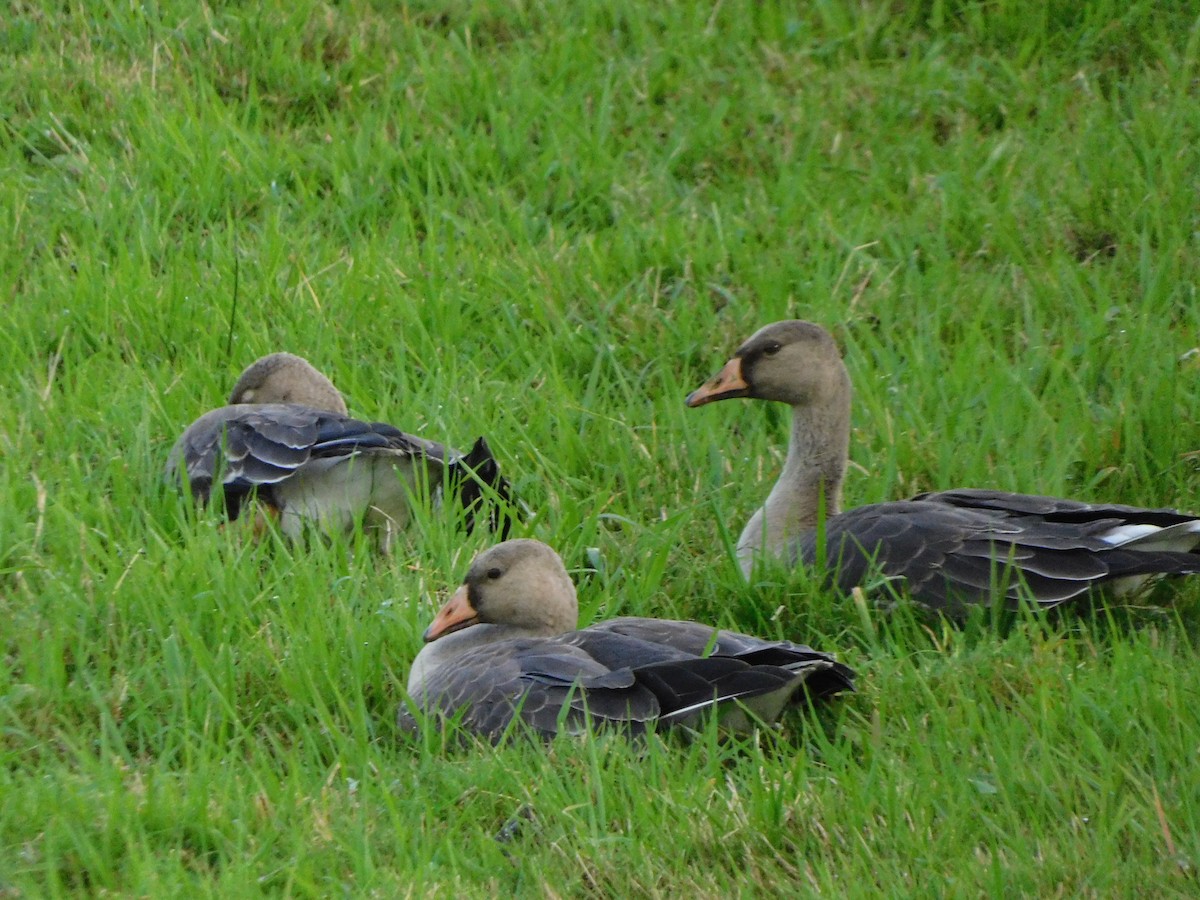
506, 647
947, 548
287, 440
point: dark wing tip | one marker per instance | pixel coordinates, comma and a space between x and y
837, 679
477, 481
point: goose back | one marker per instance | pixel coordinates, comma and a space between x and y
961, 547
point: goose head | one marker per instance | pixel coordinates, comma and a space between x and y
521, 584
287, 378
794, 362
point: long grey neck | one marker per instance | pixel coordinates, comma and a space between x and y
808, 489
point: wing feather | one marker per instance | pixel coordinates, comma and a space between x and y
629, 673
970, 545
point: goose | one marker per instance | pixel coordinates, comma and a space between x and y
505, 649
947, 549
287, 439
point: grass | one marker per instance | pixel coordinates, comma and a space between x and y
546, 225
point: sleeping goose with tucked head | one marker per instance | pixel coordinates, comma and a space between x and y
948, 548
505, 648
287, 440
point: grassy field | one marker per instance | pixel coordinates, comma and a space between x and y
546, 223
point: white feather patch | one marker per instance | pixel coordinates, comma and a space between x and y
1182, 537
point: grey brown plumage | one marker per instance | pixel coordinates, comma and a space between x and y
945, 549
287, 440
506, 648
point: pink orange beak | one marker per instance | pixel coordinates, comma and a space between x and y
457, 614
725, 385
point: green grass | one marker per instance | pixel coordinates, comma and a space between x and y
546, 223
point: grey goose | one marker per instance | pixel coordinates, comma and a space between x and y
287, 440
505, 648
946, 549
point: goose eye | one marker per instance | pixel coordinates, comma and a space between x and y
494, 573
772, 348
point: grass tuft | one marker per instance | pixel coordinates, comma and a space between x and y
546, 225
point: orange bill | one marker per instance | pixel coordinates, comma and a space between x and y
457, 614
726, 384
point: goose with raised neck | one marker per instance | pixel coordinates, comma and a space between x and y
946, 549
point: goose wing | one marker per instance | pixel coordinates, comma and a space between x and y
548, 683
1054, 509
475, 479
253, 445
968, 546
675, 639
634, 674
690, 667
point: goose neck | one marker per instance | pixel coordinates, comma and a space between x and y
810, 485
